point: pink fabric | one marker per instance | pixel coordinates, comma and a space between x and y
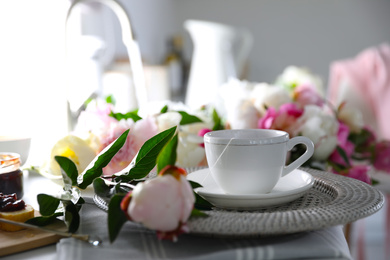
369, 76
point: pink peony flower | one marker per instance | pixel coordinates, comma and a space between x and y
343, 143
364, 81
267, 121
140, 132
163, 204
342, 134
144, 129
202, 132
360, 172
382, 156
283, 119
307, 95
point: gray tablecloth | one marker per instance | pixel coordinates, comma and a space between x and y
136, 242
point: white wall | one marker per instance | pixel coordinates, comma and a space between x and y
310, 33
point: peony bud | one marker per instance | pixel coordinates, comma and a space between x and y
163, 203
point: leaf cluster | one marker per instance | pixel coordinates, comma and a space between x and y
69, 202
158, 151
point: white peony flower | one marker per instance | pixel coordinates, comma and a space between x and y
74, 148
190, 153
294, 76
235, 88
168, 120
242, 114
351, 116
238, 108
265, 96
233, 91
321, 128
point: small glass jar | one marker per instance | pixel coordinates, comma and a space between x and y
11, 176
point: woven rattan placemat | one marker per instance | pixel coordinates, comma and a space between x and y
333, 200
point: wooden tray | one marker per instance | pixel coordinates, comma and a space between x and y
19, 241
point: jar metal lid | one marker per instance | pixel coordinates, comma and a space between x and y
9, 162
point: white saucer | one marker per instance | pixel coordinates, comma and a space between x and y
289, 188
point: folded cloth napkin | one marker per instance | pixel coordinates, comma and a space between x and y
136, 242
365, 82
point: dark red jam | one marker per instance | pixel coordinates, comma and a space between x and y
10, 202
11, 177
12, 182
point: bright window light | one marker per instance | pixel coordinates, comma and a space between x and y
32, 76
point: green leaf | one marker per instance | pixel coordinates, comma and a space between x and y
343, 155
200, 202
110, 100
360, 138
119, 116
101, 188
80, 203
168, 154
69, 168
198, 213
339, 168
47, 204
375, 182
217, 121
107, 191
188, 119
195, 185
164, 109
119, 189
147, 155
102, 160
71, 216
44, 220
116, 217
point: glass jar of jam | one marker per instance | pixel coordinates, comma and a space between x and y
11, 176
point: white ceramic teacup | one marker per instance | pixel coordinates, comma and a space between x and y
251, 161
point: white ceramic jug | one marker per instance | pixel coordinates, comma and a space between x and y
219, 52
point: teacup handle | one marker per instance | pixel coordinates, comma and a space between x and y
303, 158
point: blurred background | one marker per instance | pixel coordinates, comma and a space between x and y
36, 80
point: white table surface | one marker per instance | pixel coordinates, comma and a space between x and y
35, 184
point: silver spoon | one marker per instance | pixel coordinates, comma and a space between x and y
91, 239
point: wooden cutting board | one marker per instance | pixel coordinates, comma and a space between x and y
19, 241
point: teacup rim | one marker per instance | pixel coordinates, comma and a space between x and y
13, 138
217, 137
